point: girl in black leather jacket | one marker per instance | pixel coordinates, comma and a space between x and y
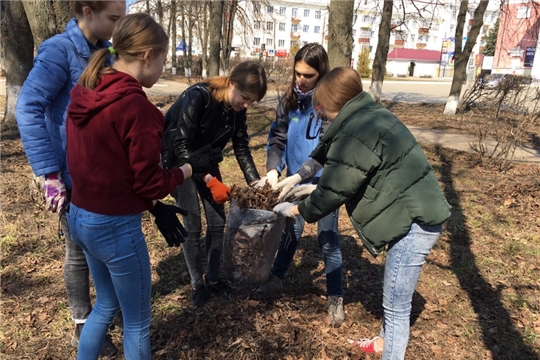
211, 113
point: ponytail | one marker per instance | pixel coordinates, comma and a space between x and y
94, 69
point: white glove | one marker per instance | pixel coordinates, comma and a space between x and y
284, 209
287, 184
270, 178
301, 192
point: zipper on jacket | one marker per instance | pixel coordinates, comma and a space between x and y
366, 243
227, 129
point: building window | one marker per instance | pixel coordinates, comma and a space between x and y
306, 28
369, 34
317, 30
317, 14
256, 8
270, 9
281, 26
256, 24
269, 42
256, 41
524, 12
306, 12
281, 43
295, 13
294, 27
282, 10
368, 19
294, 43
269, 25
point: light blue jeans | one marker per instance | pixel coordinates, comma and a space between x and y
118, 259
327, 230
404, 261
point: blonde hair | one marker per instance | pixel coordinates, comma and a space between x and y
133, 35
248, 76
336, 88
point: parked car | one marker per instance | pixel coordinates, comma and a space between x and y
494, 81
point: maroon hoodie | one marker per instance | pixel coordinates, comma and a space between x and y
113, 148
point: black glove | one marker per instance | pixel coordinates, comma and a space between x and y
202, 161
168, 224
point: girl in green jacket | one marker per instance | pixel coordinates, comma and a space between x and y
373, 165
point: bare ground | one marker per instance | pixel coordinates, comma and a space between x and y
478, 296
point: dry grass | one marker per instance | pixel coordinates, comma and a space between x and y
477, 297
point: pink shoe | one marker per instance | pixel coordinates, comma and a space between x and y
367, 345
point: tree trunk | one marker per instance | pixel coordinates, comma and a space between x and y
381, 53
42, 19
159, 11
173, 35
461, 57
183, 40
215, 37
191, 25
202, 31
19, 51
228, 29
340, 40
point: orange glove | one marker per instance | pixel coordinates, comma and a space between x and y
220, 191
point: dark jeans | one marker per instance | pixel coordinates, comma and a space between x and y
327, 230
76, 276
186, 198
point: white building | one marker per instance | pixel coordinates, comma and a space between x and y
277, 27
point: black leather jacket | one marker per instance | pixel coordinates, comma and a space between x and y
201, 120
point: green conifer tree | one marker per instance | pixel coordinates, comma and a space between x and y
491, 40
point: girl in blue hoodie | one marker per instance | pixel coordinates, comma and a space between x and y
293, 136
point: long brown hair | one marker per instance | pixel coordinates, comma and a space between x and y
132, 36
249, 77
336, 88
313, 55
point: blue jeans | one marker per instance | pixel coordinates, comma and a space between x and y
186, 198
327, 230
118, 259
404, 261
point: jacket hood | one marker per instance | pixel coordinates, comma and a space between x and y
86, 103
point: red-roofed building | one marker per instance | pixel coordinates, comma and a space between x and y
413, 62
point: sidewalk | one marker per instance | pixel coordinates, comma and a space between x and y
436, 137
463, 142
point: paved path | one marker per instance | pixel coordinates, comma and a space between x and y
437, 137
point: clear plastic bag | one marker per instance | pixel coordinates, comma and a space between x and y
251, 240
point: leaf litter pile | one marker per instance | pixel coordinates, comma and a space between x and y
479, 289
263, 197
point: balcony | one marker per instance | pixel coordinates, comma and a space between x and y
295, 35
399, 43
421, 45
423, 30
363, 40
295, 20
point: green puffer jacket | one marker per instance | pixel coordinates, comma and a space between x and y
373, 165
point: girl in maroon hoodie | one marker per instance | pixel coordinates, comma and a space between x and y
114, 138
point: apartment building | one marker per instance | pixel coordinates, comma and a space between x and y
517, 44
426, 28
426, 31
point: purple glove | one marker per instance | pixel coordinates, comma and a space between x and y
55, 192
